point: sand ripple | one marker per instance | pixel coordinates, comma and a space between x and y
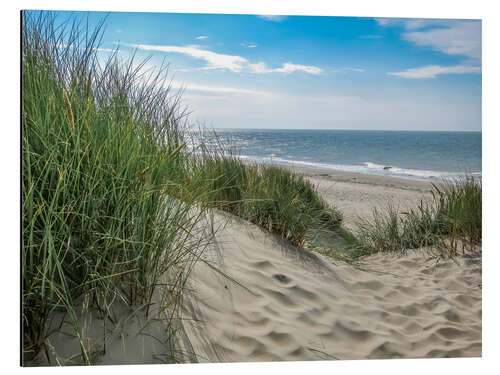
277, 302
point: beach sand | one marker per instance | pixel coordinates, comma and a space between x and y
356, 194
257, 298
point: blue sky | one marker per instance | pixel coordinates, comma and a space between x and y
246, 71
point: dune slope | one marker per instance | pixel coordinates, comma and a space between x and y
256, 298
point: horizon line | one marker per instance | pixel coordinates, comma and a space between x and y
343, 129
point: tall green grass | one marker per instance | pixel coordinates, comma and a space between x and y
287, 204
101, 155
112, 193
274, 198
450, 222
460, 210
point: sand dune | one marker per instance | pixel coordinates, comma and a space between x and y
256, 298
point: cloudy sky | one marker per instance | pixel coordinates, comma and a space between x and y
245, 71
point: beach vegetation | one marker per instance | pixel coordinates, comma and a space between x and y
272, 197
102, 224
450, 222
114, 187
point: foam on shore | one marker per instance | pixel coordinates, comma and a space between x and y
365, 168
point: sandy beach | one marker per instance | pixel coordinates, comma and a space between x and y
357, 194
256, 298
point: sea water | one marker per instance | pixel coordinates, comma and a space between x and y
412, 154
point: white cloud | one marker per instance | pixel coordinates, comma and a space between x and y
289, 68
100, 49
286, 68
104, 49
414, 23
359, 70
189, 86
233, 63
260, 68
453, 37
432, 71
385, 21
201, 37
271, 17
247, 45
345, 70
461, 38
214, 60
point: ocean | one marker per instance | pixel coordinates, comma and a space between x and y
407, 154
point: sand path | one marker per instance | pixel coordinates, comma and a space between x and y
278, 302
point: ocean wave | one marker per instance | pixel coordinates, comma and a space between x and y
410, 172
366, 167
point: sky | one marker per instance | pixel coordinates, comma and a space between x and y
311, 72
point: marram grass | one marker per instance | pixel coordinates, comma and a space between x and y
111, 194
274, 198
450, 222
100, 151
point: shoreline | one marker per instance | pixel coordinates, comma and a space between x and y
381, 170
360, 178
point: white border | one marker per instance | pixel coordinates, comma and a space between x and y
10, 172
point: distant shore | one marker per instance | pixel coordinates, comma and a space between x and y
362, 178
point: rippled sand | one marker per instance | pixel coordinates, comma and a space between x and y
269, 301
254, 297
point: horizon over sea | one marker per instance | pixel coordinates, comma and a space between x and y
424, 155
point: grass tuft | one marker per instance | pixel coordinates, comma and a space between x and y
451, 222
274, 198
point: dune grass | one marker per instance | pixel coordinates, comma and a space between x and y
460, 209
274, 198
112, 195
287, 204
100, 162
451, 222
